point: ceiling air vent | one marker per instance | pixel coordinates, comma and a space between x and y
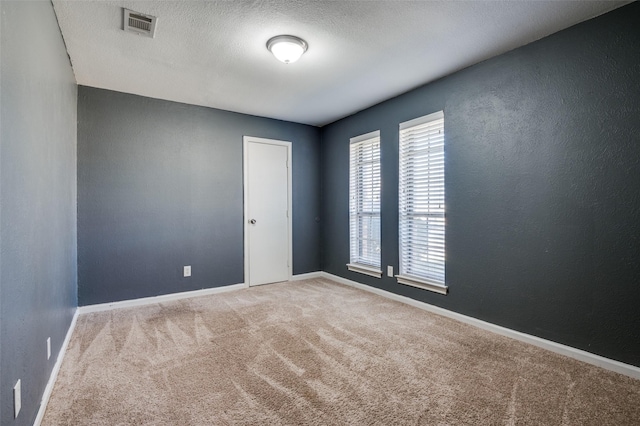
139, 23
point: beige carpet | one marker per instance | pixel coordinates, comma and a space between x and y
316, 352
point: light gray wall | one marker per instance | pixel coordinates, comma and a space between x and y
160, 187
542, 162
37, 201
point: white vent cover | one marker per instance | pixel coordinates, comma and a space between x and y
139, 23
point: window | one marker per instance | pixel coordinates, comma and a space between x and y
364, 204
421, 203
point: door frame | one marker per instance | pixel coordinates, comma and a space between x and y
245, 143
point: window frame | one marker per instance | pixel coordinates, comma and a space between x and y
428, 186
356, 204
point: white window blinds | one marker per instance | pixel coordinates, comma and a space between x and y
421, 203
364, 204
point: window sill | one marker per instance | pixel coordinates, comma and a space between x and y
367, 270
423, 284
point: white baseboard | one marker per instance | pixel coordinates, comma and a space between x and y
54, 373
584, 356
308, 275
158, 299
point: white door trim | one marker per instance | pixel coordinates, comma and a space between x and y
245, 142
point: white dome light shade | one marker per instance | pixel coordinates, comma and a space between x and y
287, 48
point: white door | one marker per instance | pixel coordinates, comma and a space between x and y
267, 210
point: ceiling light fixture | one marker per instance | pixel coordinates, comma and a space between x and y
287, 48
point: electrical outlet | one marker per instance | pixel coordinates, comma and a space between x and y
187, 271
48, 347
17, 399
390, 271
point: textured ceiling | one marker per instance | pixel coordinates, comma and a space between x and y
213, 53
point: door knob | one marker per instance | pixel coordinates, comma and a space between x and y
252, 221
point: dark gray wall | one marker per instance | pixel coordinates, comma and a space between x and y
37, 201
542, 187
160, 186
